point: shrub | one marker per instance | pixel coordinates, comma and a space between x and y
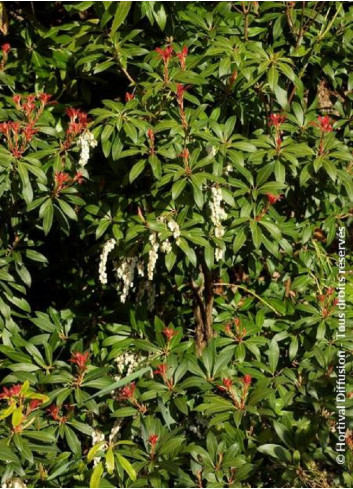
175, 181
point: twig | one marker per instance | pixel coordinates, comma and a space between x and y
319, 37
128, 76
249, 292
246, 20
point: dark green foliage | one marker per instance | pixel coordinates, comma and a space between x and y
224, 153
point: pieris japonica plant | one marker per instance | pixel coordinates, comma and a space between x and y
176, 189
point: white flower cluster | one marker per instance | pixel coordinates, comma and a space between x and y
126, 272
114, 434
97, 437
86, 141
219, 254
211, 150
152, 256
126, 363
140, 268
166, 246
107, 248
175, 229
16, 482
229, 169
218, 214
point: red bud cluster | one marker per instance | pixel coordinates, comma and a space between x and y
238, 399
167, 53
276, 120
169, 333
239, 331
19, 134
327, 302
127, 393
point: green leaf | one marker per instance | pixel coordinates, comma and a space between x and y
6, 454
136, 170
273, 355
178, 187
256, 233
281, 96
96, 476
93, 451
73, 441
120, 15
47, 212
120, 383
68, 210
126, 466
276, 451
109, 460
272, 76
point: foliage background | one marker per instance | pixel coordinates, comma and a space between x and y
246, 61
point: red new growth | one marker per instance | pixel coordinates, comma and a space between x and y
227, 383
247, 379
182, 57
80, 359
272, 199
17, 100
34, 404
53, 411
169, 333
150, 135
13, 391
181, 89
5, 48
127, 392
44, 98
165, 54
161, 370
153, 439
129, 96
61, 178
233, 76
324, 123
185, 154
78, 178
276, 120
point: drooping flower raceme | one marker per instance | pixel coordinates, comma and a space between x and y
126, 272
166, 246
218, 254
97, 437
152, 256
218, 214
107, 248
126, 363
15, 482
86, 141
174, 228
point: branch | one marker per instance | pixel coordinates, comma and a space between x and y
251, 293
